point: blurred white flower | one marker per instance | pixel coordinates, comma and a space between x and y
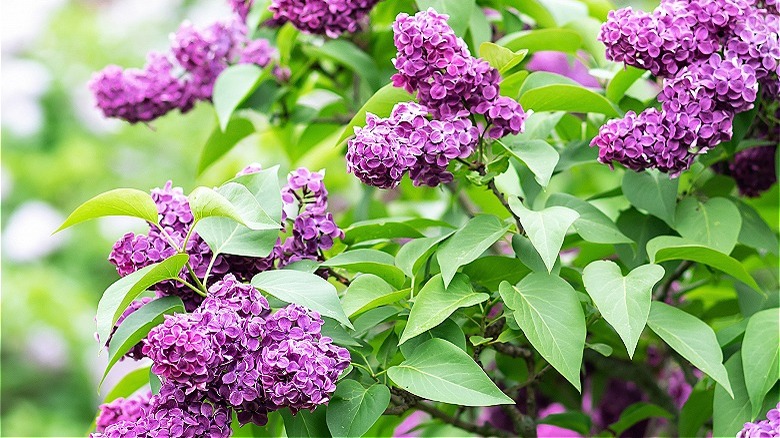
46, 348
114, 227
22, 21
27, 234
23, 84
6, 182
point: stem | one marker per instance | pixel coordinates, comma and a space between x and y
340, 278
505, 203
208, 269
189, 285
666, 287
196, 280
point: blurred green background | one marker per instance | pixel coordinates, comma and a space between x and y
58, 151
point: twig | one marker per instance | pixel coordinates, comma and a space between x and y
505, 203
511, 350
666, 287
340, 278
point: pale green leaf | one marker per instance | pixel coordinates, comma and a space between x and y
592, 225
652, 191
468, 243
760, 352
538, 155
715, 223
353, 408
367, 291
117, 202
546, 229
369, 261
232, 87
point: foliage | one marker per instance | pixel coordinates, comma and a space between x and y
521, 284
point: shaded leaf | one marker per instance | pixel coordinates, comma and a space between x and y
592, 225
715, 223
370, 261
653, 192
760, 351
232, 87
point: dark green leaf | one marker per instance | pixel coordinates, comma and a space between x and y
449, 330
369, 261
232, 87
353, 409
367, 292
490, 271
548, 311
119, 295
440, 371
349, 55
435, 303
696, 410
623, 301
305, 289
715, 223
137, 325
755, 232
468, 243
388, 228
690, 337
118, 202
664, 248
731, 411
306, 424
546, 228
760, 351
622, 81
414, 253
653, 192
576, 421
636, 413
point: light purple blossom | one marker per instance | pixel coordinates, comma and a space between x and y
765, 428
122, 409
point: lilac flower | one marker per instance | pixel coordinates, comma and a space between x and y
122, 409
241, 298
754, 170
241, 8
764, 428
250, 169
123, 429
258, 52
506, 117
139, 95
305, 189
755, 42
176, 414
135, 251
323, 17
444, 142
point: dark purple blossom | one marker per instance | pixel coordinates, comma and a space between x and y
173, 413
765, 428
323, 17
122, 409
754, 170
442, 142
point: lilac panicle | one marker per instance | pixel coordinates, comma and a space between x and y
122, 409
754, 170
323, 17
765, 428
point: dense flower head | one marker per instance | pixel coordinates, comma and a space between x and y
135, 251
122, 409
173, 413
755, 42
139, 95
765, 428
229, 293
299, 366
646, 140
312, 231
306, 189
754, 170
425, 43
466, 83
323, 17
376, 156
444, 141
505, 116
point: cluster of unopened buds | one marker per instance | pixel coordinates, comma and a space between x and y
185, 75
713, 57
229, 353
451, 87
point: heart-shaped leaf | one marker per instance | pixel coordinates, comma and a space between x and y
715, 223
546, 229
353, 409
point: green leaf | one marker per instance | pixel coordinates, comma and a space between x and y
573, 420
636, 413
755, 232
468, 243
559, 40
500, 58
349, 55
221, 142
527, 254
592, 225
232, 87
538, 155
696, 410
367, 292
546, 229
258, 200
479, 27
653, 192
548, 311
306, 424
154, 382
664, 248
120, 294
129, 384
436, 302
385, 228
305, 289
458, 10
117, 202
690, 337
380, 104
440, 371
369, 261
602, 349
206, 202
622, 81
623, 301
760, 351
412, 255
353, 409
570, 98
538, 126
490, 271
715, 223
449, 331
731, 411
137, 325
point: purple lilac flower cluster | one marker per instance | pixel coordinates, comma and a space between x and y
433, 62
323, 17
754, 170
765, 428
451, 86
713, 57
231, 354
184, 76
386, 149
122, 409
